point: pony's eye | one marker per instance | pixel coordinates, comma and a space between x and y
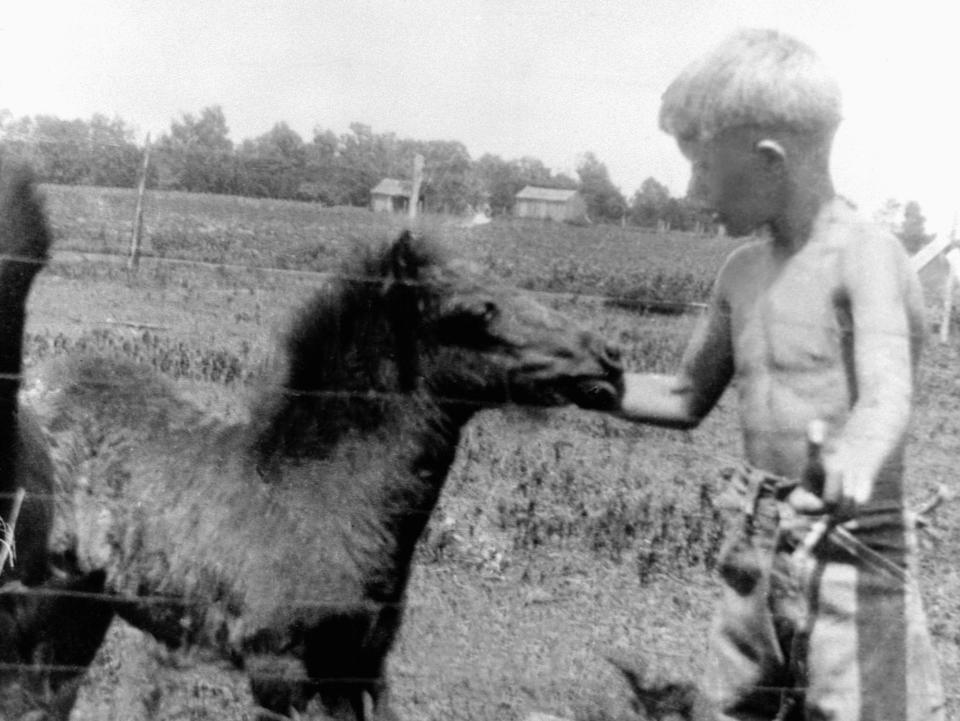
468, 324
488, 311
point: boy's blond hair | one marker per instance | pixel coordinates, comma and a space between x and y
758, 78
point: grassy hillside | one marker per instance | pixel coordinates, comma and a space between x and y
561, 536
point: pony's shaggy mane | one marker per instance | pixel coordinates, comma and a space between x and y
359, 332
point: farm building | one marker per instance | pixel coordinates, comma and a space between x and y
391, 196
549, 203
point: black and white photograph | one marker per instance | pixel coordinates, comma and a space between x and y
479, 360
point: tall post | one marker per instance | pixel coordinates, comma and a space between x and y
947, 306
134, 260
953, 275
415, 187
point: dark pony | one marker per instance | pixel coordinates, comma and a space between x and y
284, 543
40, 595
24, 242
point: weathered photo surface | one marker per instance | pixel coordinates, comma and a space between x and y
446, 361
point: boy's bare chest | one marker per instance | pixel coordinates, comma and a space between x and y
789, 316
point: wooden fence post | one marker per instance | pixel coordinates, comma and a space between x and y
415, 186
134, 260
953, 275
947, 246
947, 307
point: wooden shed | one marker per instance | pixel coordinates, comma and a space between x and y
391, 196
549, 203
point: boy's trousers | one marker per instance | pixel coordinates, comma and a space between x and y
836, 634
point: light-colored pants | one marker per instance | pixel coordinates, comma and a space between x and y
836, 635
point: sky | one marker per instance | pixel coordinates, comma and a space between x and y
549, 79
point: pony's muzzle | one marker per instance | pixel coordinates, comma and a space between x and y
608, 356
611, 357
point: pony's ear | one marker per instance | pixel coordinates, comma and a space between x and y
403, 301
404, 265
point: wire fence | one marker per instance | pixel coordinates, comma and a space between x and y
329, 276
606, 299
148, 599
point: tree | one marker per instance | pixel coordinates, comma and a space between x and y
115, 158
272, 165
95, 152
449, 186
500, 180
532, 171
649, 204
888, 215
562, 180
357, 155
62, 145
681, 214
604, 200
322, 169
361, 164
197, 153
912, 233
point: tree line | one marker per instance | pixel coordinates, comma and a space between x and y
196, 154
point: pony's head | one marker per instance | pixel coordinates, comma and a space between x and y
406, 320
467, 338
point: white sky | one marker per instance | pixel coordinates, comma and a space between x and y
546, 78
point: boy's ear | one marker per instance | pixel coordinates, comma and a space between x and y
771, 150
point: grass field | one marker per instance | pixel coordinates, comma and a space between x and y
562, 536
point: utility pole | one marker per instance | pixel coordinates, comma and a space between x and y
134, 260
415, 187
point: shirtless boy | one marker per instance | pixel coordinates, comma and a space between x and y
820, 318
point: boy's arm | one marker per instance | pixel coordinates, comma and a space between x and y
682, 400
886, 307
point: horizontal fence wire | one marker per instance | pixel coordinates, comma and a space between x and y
623, 302
118, 258
453, 679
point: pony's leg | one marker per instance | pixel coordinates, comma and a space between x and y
278, 701
341, 701
351, 701
277, 686
380, 708
56, 637
351, 684
72, 629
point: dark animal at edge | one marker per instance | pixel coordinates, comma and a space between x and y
284, 544
41, 595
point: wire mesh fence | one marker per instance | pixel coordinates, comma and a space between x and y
463, 694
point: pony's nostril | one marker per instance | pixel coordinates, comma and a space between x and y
613, 354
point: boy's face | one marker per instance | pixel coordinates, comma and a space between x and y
740, 183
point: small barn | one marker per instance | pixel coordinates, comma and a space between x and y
549, 203
391, 196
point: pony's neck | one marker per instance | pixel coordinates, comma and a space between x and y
385, 476
403, 509
308, 424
